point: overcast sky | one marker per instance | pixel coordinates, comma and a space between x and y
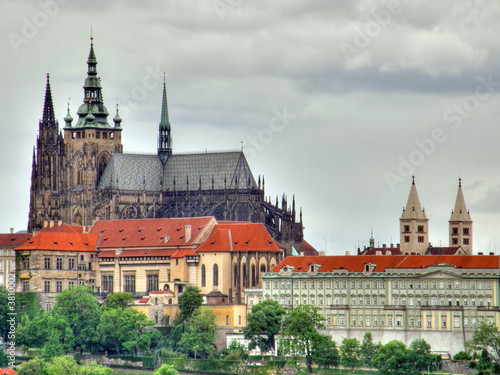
337, 102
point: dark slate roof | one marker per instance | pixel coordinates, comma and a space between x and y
132, 170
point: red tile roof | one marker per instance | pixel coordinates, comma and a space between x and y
161, 292
238, 236
143, 300
181, 253
57, 241
64, 228
356, 263
308, 249
7, 372
14, 240
148, 232
381, 251
147, 253
106, 254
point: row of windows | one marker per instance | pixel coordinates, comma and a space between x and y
376, 301
320, 285
48, 285
6, 252
449, 285
366, 321
59, 263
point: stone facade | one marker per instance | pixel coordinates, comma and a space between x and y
438, 298
8, 242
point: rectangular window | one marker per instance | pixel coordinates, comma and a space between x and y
488, 285
304, 284
329, 285
360, 301
421, 239
399, 321
418, 284
71, 284
304, 301
360, 285
382, 321
403, 284
354, 321
375, 286
267, 285
48, 306
375, 301
443, 322
375, 321
107, 284
129, 283
26, 263
473, 324
457, 284
59, 263
46, 286
456, 322
426, 285
341, 320
71, 263
296, 301
320, 284
58, 286
429, 322
152, 283
389, 321
419, 322
367, 301
47, 263
368, 322
395, 285
480, 285
26, 286
449, 285
420, 229
320, 301
472, 285
353, 284
344, 284
337, 285
361, 321
313, 301
312, 285
466, 322
296, 285
410, 322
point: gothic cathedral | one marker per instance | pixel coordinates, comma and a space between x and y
84, 175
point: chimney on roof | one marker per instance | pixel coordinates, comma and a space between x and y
347, 253
166, 239
321, 254
392, 245
492, 253
45, 224
378, 252
59, 223
51, 223
11, 230
301, 253
384, 245
480, 253
187, 235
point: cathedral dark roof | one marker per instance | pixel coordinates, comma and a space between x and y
216, 170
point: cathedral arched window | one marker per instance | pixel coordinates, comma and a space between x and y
236, 275
245, 278
203, 275
242, 213
216, 275
101, 166
253, 275
262, 268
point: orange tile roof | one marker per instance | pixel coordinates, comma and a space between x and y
57, 241
147, 253
244, 237
147, 232
356, 263
65, 228
106, 254
181, 253
308, 249
7, 372
14, 240
143, 300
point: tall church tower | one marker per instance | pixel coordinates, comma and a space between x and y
47, 168
164, 136
88, 146
461, 223
414, 225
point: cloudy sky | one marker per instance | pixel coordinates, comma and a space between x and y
337, 102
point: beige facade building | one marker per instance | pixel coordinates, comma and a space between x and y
438, 298
8, 242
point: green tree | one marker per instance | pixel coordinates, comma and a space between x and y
299, 332
118, 301
35, 366
166, 370
189, 301
350, 354
4, 360
486, 337
67, 365
234, 352
121, 329
263, 323
325, 352
4, 310
53, 347
199, 336
392, 358
420, 357
368, 350
81, 310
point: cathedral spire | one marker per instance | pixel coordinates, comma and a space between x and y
460, 213
414, 225
461, 223
164, 136
92, 98
413, 208
48, 106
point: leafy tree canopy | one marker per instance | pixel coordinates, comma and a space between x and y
34, 366
166, 370
300, 331
199, 336
325, 353
486, 337
189, 301
118, 301
81, 309
350, 353
263, 322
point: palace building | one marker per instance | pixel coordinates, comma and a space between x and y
80, 174
395, 297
